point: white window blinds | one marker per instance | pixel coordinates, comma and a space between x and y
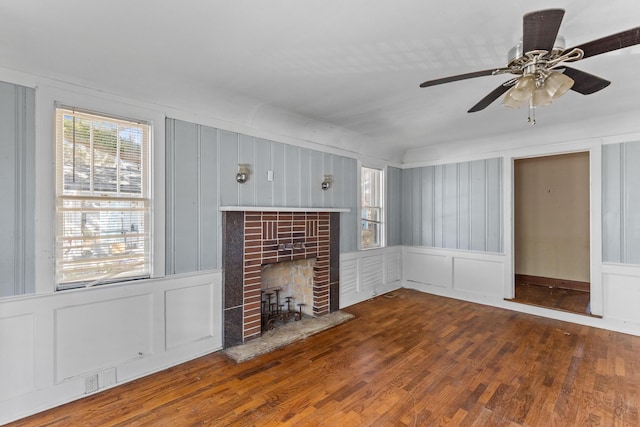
102, 199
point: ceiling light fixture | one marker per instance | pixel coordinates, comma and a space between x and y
540, 83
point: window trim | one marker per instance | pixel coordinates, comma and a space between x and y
382, 209
147, 196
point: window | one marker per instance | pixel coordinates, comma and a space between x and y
102, 199
372, 215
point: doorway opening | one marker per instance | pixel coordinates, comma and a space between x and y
551, 232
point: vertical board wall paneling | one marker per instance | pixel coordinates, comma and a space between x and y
438, 206
192, 214
426, 212
246, 155
478, 206
464, 215
494, 205
278, 168
416, 206
450, 207
264, 187
350, 221
612, 201
406, 199
304, 177
170, 191
326, 169
202, 163
17, 139
292, 172
210, 217
185, 198
454, 206
630, 216
228, 167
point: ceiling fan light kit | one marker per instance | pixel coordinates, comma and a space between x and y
538, 63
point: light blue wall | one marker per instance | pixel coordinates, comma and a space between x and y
17, 154
621, 203
201, 167
453, 206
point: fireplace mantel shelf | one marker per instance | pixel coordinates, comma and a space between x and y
279, 209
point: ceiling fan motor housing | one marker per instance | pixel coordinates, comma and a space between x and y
518, 58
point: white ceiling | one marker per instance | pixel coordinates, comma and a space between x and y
340, 72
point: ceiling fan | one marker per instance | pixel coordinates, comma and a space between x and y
538, 62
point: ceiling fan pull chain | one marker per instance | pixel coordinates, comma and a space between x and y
532, 113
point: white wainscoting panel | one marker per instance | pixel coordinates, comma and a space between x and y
349, 273
622, 293
393, 266
479, 276
372, 268
429, 268
189, 315
50, 344
102, 334
365, 274
16, 355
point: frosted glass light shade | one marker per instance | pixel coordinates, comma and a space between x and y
557, 84
523, 90
541, 97
509, 101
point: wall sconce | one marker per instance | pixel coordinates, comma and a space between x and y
243, 173
326, 184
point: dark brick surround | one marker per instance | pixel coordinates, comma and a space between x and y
253, 239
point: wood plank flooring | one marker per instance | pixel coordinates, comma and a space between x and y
571, 300
411, 360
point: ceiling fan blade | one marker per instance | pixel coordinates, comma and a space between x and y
463, 77
609, 43
487, 100
540, 29
585, 83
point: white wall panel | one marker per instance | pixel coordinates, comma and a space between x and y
349, 273
365, 274
427, 268
189, 314
17, 358
622, 297
393, 267
102, 334
478, 276
372, 272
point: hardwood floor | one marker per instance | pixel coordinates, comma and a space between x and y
411, 360
571, 300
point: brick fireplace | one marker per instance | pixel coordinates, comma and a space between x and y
253, 239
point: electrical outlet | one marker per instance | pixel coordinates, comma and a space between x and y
91, 384
107, 378
269, 176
